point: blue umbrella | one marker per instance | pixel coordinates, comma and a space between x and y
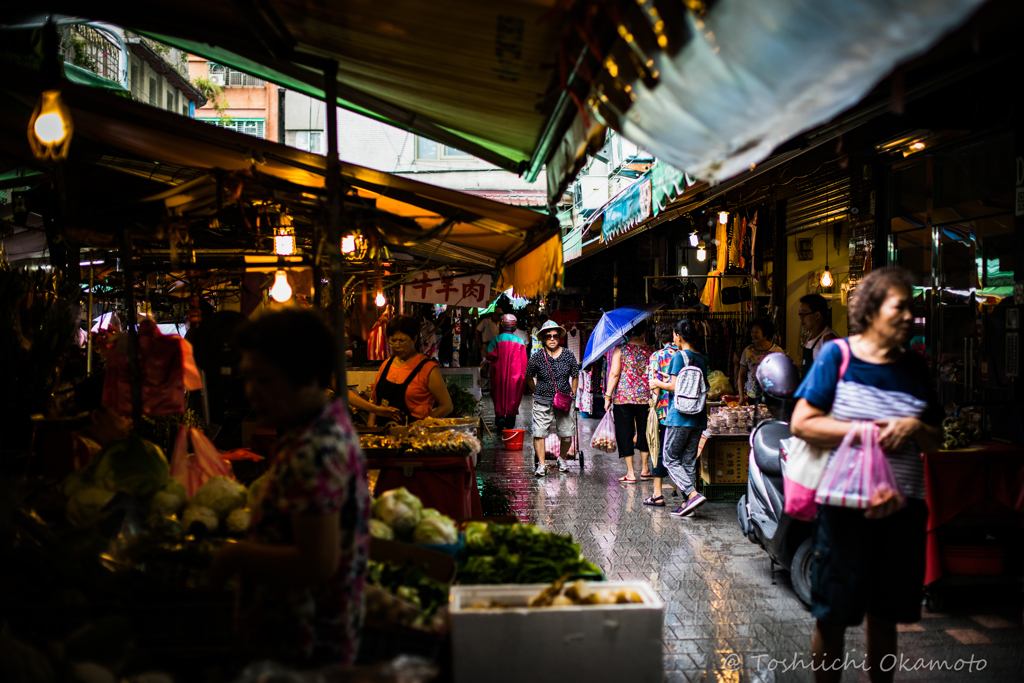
612, 327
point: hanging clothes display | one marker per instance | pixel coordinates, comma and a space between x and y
584, 392
377, 347
573, 337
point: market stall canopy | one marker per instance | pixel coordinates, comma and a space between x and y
716, 94
476, 231
482, 78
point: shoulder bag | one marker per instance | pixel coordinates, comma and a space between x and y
805, 464
563, 402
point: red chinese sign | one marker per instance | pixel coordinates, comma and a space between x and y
431, 287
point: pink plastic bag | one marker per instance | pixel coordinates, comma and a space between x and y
604, 435
860, 476
195, 469
553, 446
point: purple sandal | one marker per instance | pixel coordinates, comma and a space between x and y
656, 501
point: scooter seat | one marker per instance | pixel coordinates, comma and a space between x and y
766, 446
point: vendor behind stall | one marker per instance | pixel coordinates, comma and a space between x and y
409, 380
303, 566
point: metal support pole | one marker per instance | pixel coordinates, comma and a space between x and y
334, 191
88, 323
133, 328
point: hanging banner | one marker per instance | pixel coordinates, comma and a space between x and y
630, 208
430, 287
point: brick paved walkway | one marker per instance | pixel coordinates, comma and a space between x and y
724, 620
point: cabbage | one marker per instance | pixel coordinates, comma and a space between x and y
379, 529
86, 506
238, 521
478, 535
220, 494
72, 483
256, 490
429, 512
399, 509
198, 513
436, 530
133, 466
177, 488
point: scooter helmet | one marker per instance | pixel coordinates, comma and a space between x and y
778, 376
508, 322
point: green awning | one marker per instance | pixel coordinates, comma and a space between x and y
77, 74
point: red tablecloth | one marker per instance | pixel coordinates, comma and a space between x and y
957, 480
445, 483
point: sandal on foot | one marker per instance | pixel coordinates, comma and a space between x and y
656, 501
627, 480
646, 476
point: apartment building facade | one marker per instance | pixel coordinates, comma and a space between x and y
240, 102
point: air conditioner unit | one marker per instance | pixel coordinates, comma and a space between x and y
217, 79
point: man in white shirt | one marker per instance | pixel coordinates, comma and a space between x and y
487, 330
813, 314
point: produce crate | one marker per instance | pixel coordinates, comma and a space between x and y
591, 643
722, 493
725, 459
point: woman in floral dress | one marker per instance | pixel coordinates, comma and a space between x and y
629, 391
304, 563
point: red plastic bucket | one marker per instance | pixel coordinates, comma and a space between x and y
513, 439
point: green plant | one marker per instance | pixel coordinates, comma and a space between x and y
81, 57
215, 94
463, 402
495, 499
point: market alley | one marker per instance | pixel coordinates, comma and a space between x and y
724, 620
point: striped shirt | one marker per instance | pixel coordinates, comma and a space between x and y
876, 392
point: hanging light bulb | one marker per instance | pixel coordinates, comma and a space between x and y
702, 252
348, 244
50, 128
826, 277
684, 271
380, 300
281, 291
723, 217
694, 238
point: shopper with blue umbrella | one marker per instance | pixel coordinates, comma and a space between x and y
626, 392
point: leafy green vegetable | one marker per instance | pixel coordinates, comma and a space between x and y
220, 494
379, 529
133, 466
400, 510
408, 582
463, 402
519, 553
86, 505
436, 530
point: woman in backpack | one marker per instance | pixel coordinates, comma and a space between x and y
682, 431
628, 389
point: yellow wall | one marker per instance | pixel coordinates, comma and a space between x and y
802, 273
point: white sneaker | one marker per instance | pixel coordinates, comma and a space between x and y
542, 470
563, 466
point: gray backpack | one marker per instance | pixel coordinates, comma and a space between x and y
691, 389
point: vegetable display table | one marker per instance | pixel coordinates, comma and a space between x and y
447, 483
971, 489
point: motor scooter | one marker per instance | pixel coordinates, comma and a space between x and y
761, 510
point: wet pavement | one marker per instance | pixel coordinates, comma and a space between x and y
724, 619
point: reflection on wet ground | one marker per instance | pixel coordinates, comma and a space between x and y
724, 620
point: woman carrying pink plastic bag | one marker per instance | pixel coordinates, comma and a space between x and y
864, 565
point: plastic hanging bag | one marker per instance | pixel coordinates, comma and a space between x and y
196, 468
604, 435
884, 494
860, 476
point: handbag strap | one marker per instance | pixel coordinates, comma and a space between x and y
844, 348
551, 373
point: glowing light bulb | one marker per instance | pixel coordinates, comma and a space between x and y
348, 244
281, 291
723, 217
826, 277
694, 239
380, 300
702, 252
50, 128
917, 146
284, 245
684, 271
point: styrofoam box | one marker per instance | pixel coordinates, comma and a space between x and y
594, 643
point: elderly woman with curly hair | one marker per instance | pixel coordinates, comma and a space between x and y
872, 567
